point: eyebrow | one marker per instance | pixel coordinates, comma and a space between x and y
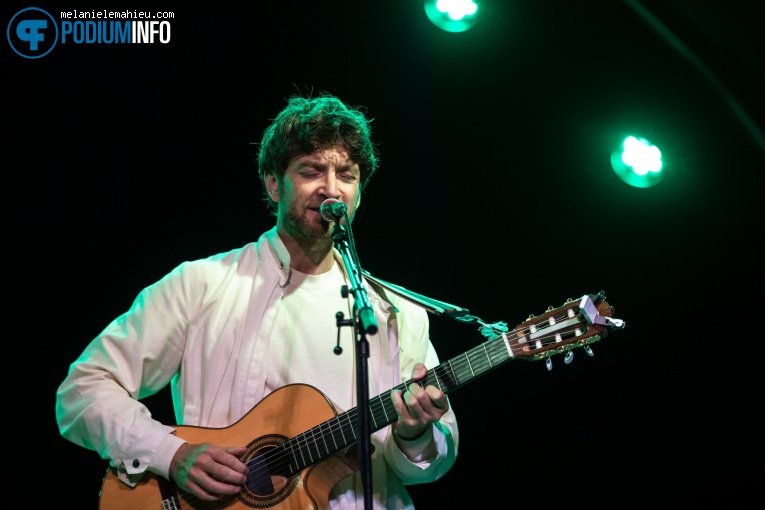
302, 163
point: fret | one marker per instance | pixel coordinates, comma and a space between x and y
507, 345
348, 427
295, 444
372, 415
324, 433
313, 445
317, 444
306, 445
285, 450
445, 378
390, 407
323, 437
466, 370
340, 428
503, 349
454, 375
487, 353
384, 404
302, 445
379, 414
494, 347
337, 433
477, 362
470, 365
435, 376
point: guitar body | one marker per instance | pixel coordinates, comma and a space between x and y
283, 414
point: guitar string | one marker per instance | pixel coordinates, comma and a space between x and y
278, 459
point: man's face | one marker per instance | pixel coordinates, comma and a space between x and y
308, 181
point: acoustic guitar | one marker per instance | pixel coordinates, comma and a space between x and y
299, 446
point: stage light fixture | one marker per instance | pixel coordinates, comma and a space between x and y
452, 15
637, 162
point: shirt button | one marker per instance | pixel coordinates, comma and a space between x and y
136, 463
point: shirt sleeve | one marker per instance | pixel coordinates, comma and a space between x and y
97, 404
429, 457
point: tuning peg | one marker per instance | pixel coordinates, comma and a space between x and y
548, 363
588, 350
569, 357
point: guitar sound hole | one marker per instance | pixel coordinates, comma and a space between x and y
269, 480
259, 479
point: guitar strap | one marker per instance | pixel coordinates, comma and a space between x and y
438, 307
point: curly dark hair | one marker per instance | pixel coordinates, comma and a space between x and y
307, 124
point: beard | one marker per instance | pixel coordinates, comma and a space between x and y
298, 222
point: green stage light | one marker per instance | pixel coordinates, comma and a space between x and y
452, 15
637, 162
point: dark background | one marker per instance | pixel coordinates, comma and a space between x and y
494, 193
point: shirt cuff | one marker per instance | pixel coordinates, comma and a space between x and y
419, 449
160, 461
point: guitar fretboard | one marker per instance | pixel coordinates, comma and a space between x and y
320, 442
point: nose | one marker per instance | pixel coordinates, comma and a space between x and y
331, 189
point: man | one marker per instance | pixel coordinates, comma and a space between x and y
230, 330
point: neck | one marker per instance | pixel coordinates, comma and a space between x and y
309, 256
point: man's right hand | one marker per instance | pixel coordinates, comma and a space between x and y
209, 471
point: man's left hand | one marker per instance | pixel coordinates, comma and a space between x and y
418, 407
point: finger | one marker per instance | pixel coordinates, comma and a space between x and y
438, 400
217, 487
407, 407
236, 450
199, 482
437, 397
398, 403
224, 474
406, 425
419, 372
197, 490
414, 398
221, 472
232, 461
416, 395
428, 404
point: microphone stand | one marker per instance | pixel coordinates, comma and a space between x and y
364, 323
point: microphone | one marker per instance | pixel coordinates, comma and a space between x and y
332, 209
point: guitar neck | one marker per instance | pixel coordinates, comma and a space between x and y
320, 442
448, 377
575, 324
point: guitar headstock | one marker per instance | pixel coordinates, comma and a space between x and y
577, 323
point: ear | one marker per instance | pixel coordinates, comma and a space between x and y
272, 187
